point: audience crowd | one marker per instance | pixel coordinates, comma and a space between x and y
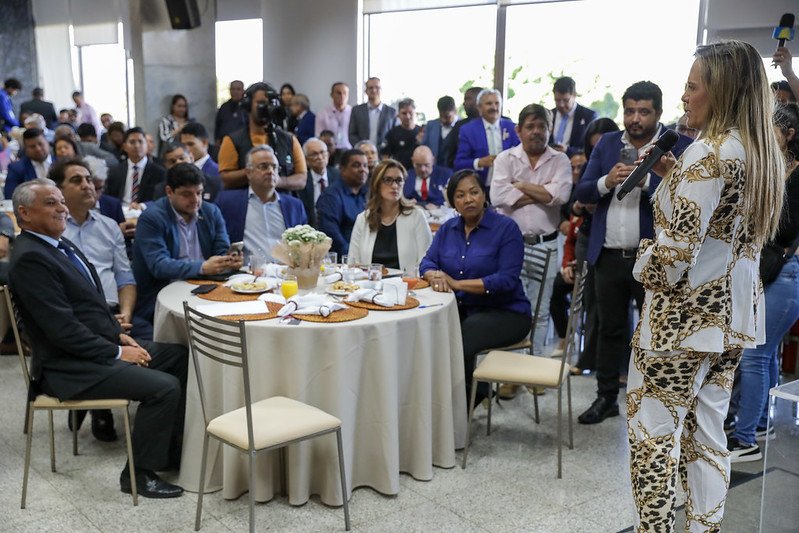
372, 179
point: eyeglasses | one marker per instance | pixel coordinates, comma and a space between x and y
265, 167
392, 181
314, 155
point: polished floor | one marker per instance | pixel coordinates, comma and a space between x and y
510, 483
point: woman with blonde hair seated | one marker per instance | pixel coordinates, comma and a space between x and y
391, 231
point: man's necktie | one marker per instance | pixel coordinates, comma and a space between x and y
134, 185
75, 261
423, 191
564, 121
492, 140
322, 184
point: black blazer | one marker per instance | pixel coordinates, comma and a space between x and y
44, 108
74, 336
150, 184
359, 123
306, 194
582, 118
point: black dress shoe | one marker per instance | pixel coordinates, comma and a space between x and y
601, 409
149, 485
103, 425
80, 414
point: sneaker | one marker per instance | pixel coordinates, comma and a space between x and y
760, 433
743, 453
730, 423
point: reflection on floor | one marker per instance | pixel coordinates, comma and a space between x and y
509, 484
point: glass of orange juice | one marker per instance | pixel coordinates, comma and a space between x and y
289, 286
410, 275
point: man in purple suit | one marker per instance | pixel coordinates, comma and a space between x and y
480, 141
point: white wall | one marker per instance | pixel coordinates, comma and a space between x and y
752, 21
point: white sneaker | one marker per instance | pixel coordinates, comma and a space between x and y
743, 453
760, 434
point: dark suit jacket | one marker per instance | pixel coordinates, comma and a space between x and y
112, 208
156, 248
233, 204
152, 177
306, 194
359, 123
305, 127
582, 117
75, 338
472, 143
606, 154
432, 139
213, 184
18, 172
210, 168
438, 183
44, 108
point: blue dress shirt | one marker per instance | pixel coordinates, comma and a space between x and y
494, 252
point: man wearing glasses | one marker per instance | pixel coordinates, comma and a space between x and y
320, 177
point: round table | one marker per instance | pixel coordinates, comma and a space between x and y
394, 378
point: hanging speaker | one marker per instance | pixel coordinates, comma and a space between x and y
183, 14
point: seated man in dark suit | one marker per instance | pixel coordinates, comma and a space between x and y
343, 201
195, 137
303, 116
259, 214
134, 181
320, 177
177, 237
79, 349
426, 181
175, 153
34, 164
571, 119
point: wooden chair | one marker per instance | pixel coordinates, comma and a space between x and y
43, 402
508, 367
268, 424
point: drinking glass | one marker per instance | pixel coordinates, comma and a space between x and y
375, 275
410, 275
289, 286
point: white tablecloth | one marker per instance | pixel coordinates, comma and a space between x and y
394, 378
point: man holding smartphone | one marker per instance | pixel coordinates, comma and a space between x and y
616, 229
177, 237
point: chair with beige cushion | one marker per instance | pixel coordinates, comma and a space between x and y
533, 371
43, 402
269, 424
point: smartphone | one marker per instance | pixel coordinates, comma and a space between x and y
628, 155
203, 289
236, 248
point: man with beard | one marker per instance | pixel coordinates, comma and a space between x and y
616, 229
531, 182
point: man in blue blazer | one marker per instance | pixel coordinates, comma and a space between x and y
177, 237
475, 149
616, 230
372, 120
426, 181
438, 133
571, 119
303, 117
259, 215
34, 164
195, 137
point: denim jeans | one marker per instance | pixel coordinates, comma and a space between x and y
759, 366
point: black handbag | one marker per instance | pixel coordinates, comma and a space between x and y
773, 258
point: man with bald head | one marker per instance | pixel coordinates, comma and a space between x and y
426, 181
320, 176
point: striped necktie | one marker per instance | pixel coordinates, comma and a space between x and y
134, 185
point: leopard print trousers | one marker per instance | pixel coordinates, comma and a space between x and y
676, 405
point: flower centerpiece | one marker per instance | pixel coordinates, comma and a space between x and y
302, 249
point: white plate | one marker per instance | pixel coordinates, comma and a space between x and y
338, 293
392, 272
249, 291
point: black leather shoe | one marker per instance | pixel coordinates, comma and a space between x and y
103, 425
80, 414
601, 409
149, 485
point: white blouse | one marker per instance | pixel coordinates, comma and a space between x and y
413, 239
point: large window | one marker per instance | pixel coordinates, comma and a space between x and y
239, 54
427, 54
103, 77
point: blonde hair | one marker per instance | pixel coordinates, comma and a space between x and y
741, 98
375, 202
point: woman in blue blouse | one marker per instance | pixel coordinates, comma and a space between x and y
478, 255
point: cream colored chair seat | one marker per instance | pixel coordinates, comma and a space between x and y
506, 367
44, 401
283, 420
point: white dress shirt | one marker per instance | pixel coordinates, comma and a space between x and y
129, 179
317, 184
42, 168
200, 162
374, 119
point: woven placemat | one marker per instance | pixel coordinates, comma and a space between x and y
226, 294
410, 303
422, 284
343, 315
273, 309
203, 282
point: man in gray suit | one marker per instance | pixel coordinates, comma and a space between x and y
372, 120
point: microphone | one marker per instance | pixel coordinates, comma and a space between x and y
662, 146
785, 32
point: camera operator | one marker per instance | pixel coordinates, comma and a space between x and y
261, 100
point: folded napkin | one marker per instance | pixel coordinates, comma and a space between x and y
373, 297
357, 273
310, 304
274, 298
253, 307
271, 283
